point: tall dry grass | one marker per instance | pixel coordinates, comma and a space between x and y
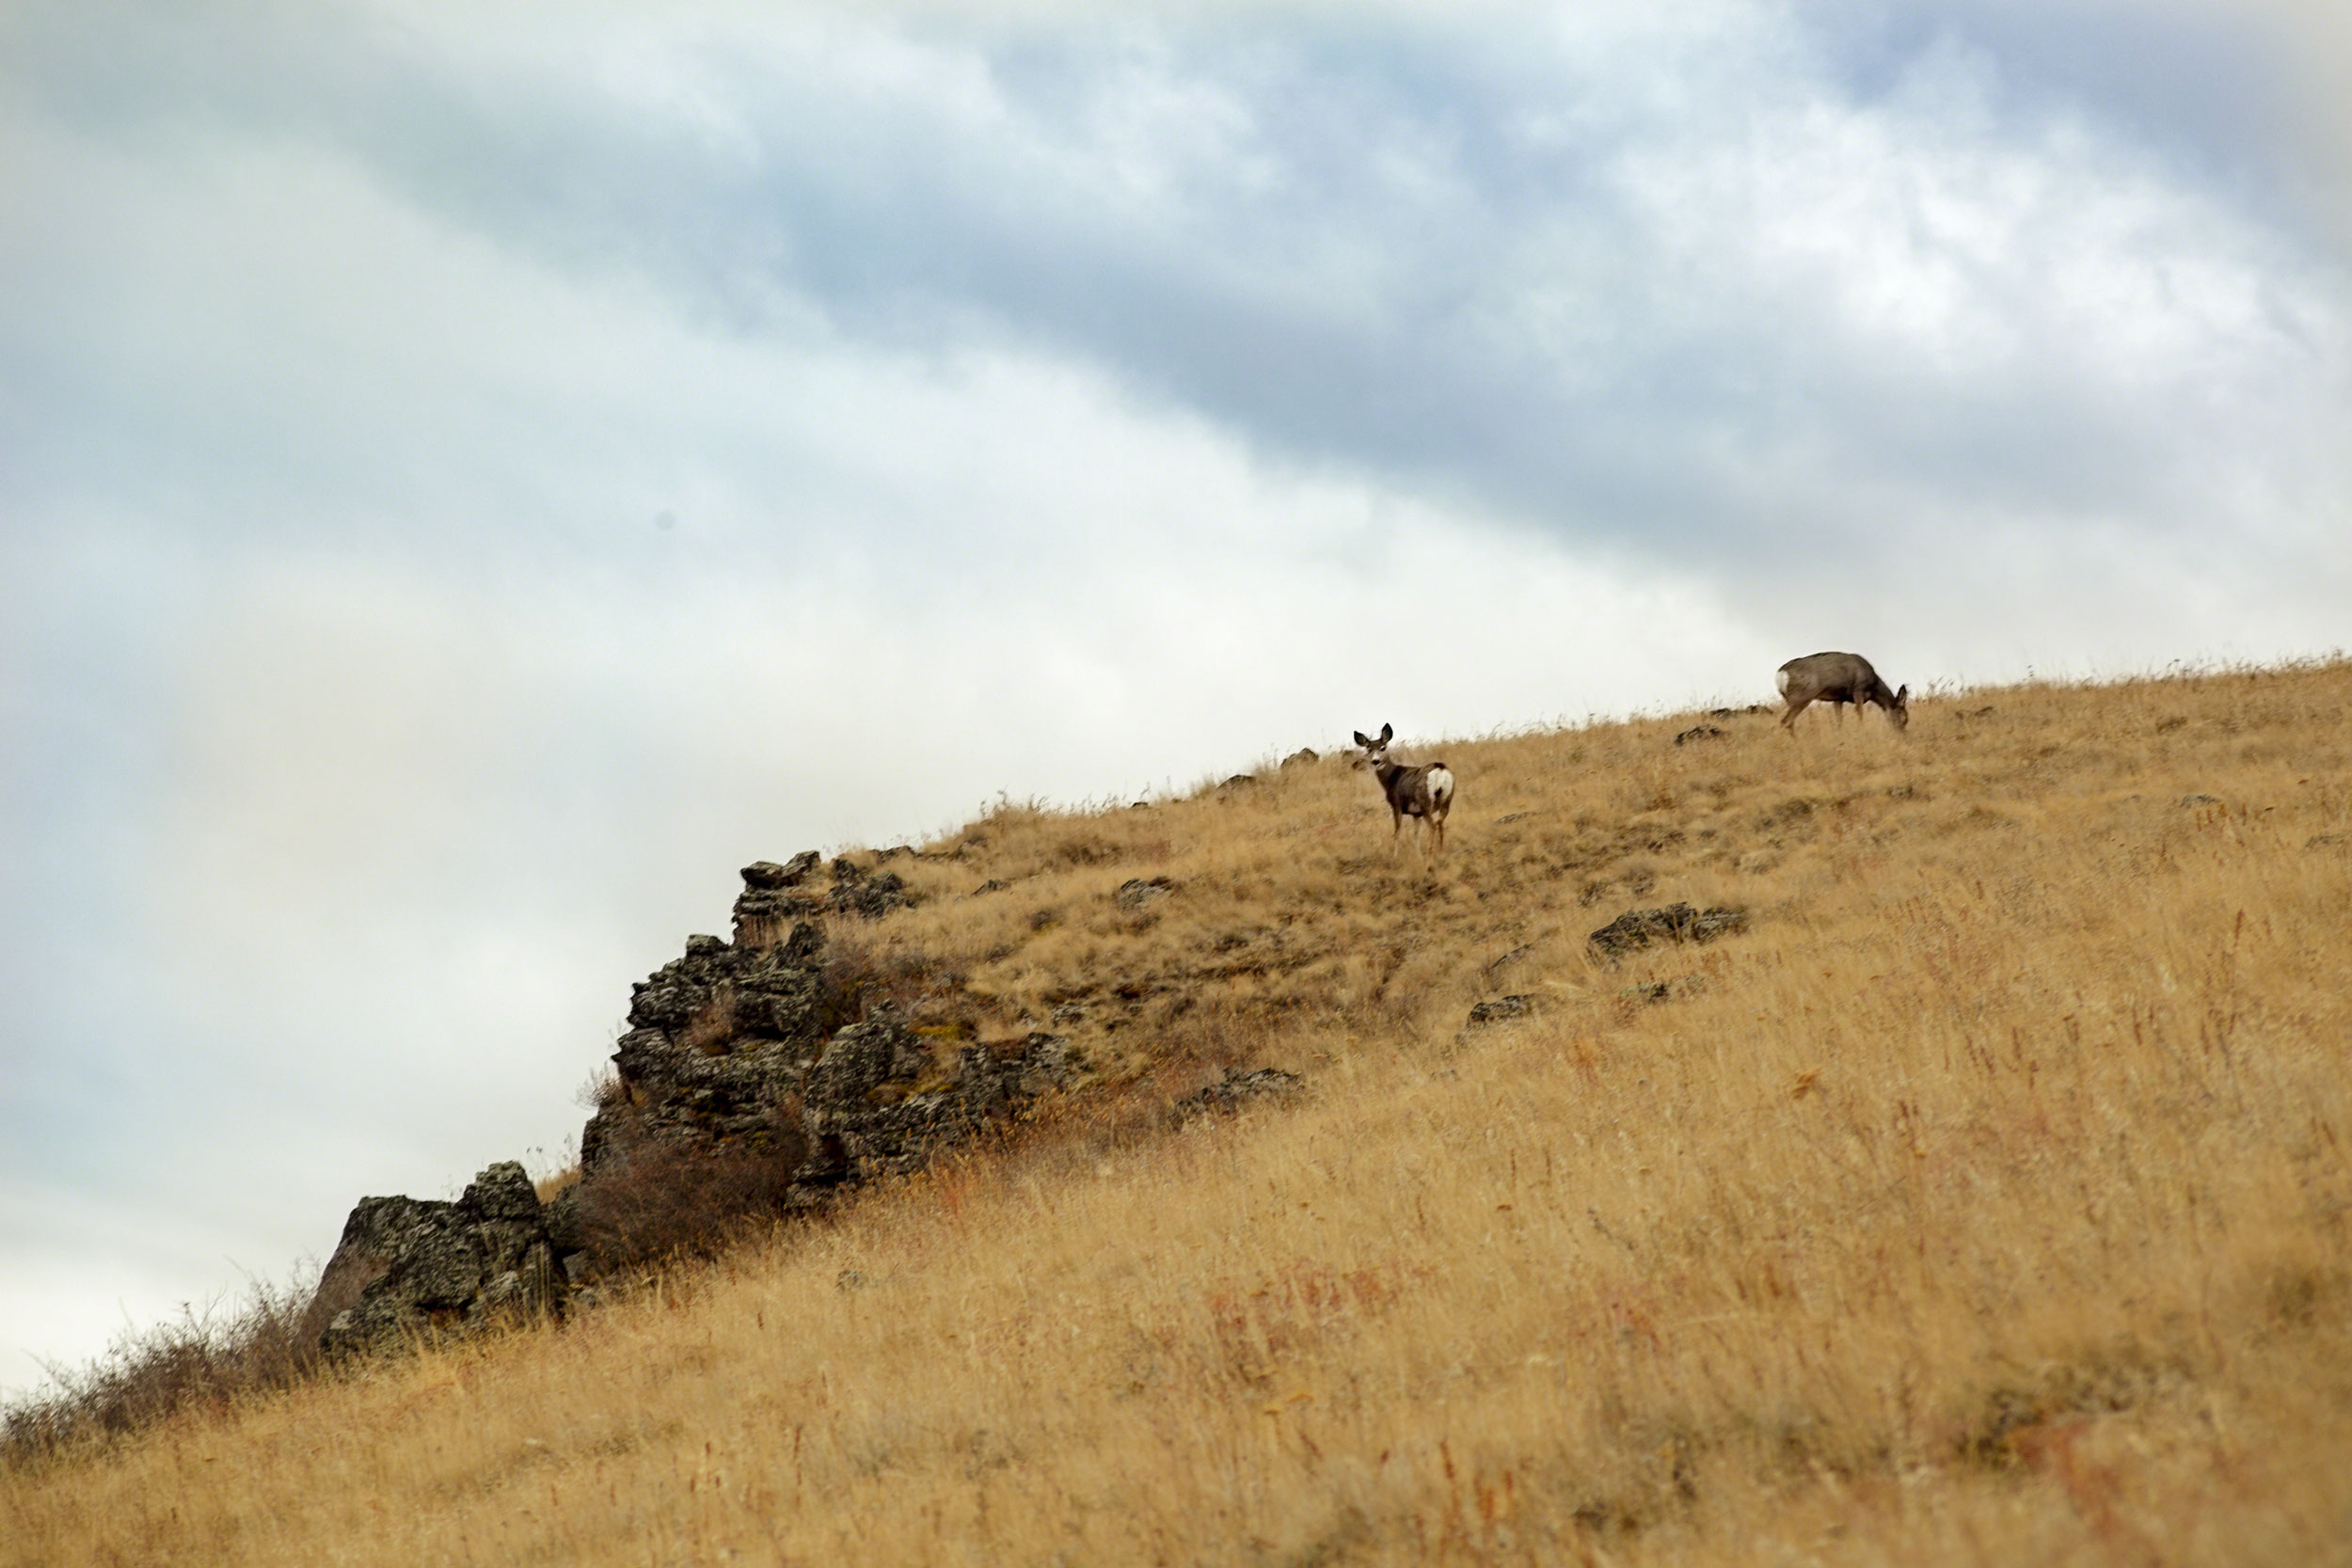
1984, 1201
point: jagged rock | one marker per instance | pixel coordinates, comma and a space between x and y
876, 1101
1699, 732
766, 875
1638, 928
1500, 1008
720, 1039
734, 1094
410, 1269
1301, 758
1239, 781
1235, 1090
678, 1092
738, 1090
1134, 892
860, 1059
773, 900
868, 898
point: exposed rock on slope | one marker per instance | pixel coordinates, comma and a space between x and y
877, 1102
773, 899
718, 1040
868, 897
1235, 1090
408, 1268
746, 1081
1502, 1007
1639, 929
747, 1048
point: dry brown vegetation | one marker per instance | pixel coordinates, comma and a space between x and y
1984, 1201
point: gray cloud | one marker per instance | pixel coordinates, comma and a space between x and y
1546, 269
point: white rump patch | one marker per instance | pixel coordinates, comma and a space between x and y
1781, 680
1440, 787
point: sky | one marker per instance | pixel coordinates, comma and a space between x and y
473, 477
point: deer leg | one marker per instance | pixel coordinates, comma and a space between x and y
1788, 719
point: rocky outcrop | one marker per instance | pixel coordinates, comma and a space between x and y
773, 900
751, 1081
753, 1056
718, 1040
1502, 1007
1230, 1093
867, 897
879, 1100
408, 1270
1638, 928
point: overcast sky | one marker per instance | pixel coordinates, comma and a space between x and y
472, 476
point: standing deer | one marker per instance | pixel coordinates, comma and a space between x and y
1839, 679
1426, 791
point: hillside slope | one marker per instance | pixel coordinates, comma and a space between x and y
1983, 1199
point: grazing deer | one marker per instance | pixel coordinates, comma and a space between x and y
1425, 792
1839, 679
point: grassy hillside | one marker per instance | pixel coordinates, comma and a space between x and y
1984, 1199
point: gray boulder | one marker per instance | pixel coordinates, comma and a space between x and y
1235, 1090
411, 1269
1638, 928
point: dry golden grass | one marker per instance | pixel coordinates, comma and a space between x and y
1985, 1200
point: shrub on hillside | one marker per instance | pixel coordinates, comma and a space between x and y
206, 1359
657, 1200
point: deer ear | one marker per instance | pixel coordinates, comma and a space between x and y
1388, 733
1903, 696
1362, 739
